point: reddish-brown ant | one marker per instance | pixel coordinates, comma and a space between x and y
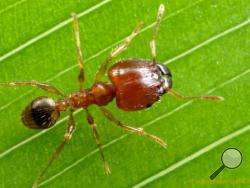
135, 83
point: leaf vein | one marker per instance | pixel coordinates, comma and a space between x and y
51, 30
192, 156
12, 6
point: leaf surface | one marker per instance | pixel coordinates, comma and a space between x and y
205, 44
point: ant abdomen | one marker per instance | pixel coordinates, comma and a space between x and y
41, 113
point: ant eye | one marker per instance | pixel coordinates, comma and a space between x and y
161, 91
41, 113
167, 82
164, 70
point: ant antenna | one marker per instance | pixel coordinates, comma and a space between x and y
152, 43
179, 96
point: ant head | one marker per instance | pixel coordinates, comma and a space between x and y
41, 113
166, 78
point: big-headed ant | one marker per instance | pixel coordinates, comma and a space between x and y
135, 83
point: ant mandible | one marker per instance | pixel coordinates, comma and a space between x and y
135, 83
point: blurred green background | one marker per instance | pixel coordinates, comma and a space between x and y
205, 44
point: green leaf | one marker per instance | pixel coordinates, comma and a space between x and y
206, 45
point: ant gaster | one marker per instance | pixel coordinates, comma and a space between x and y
135, 83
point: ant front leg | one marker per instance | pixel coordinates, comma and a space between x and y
118, 50
138, 131
179, 96
67, 137
33, 83
92, 124
79, 52
152, 43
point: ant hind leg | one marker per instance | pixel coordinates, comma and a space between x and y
33, 83
79, 52
92, 124
67, 137
138, 131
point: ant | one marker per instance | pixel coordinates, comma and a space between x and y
135, 83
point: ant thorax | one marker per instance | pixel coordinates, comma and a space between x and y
100, 94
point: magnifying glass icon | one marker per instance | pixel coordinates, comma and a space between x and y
231, 158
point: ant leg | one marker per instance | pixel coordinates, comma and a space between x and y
118, 50
79, 52
152, 42
138, 131
179, 96
33, 83
67, 137
92, 124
